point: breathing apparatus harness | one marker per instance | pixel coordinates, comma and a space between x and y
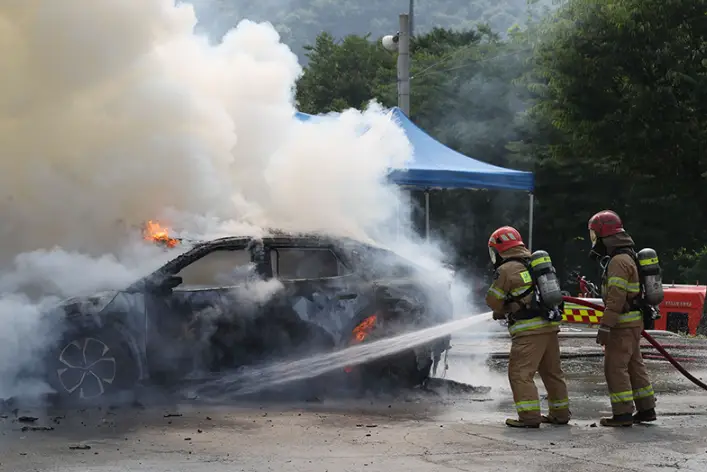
650, 285
647, 301
544, 285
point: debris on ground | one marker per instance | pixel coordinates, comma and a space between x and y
453, 387
37, 428
172, 415
27, 419
80, 447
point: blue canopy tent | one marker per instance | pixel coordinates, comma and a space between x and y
435, 165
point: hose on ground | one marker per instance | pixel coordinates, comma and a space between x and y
649, 338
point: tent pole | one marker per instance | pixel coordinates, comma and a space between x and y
427, 215
530, 221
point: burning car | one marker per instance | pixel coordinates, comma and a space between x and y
237, 301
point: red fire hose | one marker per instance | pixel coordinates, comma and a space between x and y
649, 338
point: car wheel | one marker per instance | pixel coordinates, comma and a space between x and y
91, 366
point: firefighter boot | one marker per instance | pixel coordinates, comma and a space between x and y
552, 420
644, 416
514, 423
618, 420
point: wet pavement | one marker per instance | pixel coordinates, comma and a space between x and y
444, 429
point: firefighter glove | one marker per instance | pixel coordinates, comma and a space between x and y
603, 335
499, 316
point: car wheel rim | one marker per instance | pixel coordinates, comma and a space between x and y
87, 367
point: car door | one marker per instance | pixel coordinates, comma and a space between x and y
321, 290
183, 320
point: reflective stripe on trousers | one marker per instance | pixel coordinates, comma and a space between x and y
644, 392
529, 405
532, 323
631, 395
558, 404
621, 397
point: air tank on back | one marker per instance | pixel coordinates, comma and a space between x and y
546, 279
651, 276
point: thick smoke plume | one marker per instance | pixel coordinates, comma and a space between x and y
115, 112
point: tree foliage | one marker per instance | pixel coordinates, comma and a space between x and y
605, 100
462, 93
344, 74
621, 84
300, 21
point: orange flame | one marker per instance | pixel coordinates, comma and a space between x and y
364, 329
361, 332
156, 232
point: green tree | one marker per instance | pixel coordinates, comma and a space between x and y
300, 21
621, 89
462, 93
692, 266
343, 75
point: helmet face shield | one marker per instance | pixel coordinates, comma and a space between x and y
593, 237
492, 255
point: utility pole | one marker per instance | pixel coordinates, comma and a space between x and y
400, 42
404, 64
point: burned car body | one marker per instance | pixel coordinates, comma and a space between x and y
238, 301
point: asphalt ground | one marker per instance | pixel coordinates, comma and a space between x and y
449, 427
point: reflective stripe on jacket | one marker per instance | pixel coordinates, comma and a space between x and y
513, 278
620, 285
532, 324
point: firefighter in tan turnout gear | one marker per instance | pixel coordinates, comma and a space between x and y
533, 317
623, 318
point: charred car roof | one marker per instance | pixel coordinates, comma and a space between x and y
368, 253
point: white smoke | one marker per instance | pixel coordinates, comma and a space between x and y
113, 112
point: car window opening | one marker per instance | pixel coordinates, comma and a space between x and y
217, 269
305, 263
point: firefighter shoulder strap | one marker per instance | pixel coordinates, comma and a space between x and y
542, 278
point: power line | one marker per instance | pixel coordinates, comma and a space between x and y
428, 70
434, 66
447, 57
473, 62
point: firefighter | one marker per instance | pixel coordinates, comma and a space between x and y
621, 325
534, 339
